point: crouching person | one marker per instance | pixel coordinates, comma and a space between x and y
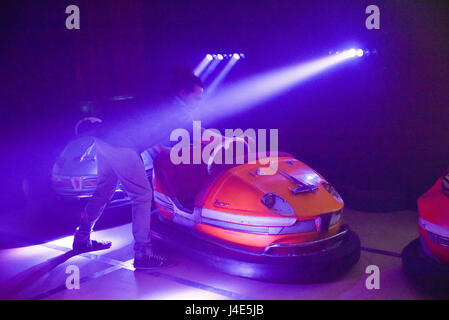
128, 128
118, 159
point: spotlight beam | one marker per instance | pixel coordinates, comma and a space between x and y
202, 65
210, 68
221, 76
247, 93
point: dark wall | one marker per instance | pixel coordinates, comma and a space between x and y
376, 123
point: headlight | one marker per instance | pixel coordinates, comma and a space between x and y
336, 216
329, 188
276, 203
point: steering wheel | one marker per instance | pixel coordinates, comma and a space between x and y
91, 121
224, 145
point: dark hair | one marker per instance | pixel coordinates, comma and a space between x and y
184, 79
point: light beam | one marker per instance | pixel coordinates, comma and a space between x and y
203, 64
210, 68
247, 93
222, 75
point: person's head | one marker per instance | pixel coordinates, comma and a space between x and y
187, 86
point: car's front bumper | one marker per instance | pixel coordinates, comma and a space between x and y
312, 266
436, 240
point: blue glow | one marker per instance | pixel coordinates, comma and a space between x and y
359, 52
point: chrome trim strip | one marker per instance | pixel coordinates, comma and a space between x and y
242, 227
306, 244
299, 227
441, 231
248, 220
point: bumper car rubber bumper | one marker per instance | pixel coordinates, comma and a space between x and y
426, 273
313, 267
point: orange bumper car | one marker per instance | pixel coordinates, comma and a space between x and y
282, 227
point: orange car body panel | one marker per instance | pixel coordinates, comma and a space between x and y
243, 191
239, 190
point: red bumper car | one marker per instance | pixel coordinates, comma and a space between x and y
426, 259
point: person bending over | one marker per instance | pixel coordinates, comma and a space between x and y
120, 138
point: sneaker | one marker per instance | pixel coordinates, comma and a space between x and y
149, 262
91, 245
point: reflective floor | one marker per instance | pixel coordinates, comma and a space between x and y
33, 269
